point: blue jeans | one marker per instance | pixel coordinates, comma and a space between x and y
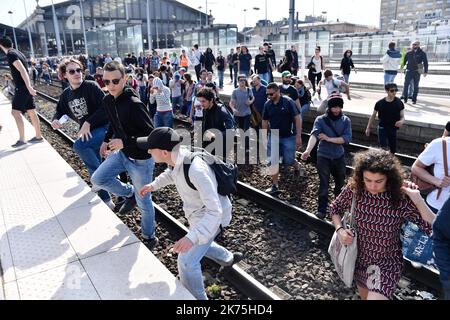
389, 78
177, 103
411, 76
143, 94
187, 108
265, 76
387, 137
163, 119
346, 78
220, 74
190, 270
441, 246
141, 173
235, 71
287, 148
305, 108
89, 152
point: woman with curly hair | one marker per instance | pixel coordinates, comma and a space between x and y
383, 202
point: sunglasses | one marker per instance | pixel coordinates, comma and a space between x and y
270, 94
393, 90
73, 71
114, 82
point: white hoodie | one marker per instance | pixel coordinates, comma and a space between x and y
204, 208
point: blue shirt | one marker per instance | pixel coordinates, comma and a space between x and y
260, 98
281, 116
327, 149
245, 60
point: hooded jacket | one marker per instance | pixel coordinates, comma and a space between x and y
391, 61
129, 120
163, 103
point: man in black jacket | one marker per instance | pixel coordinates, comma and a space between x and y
82, 102
215, 118
416, 62
129, 119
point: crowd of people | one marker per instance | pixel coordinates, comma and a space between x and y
125, 111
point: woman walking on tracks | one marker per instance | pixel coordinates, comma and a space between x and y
383, 202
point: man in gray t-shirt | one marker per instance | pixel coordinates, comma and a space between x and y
241, 100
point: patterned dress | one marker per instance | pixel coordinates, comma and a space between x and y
379, 263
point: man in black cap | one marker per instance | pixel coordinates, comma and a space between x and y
333, 130
447, 130
206, 211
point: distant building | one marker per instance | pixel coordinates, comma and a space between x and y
411, 15
117, 20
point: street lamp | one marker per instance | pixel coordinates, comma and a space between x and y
84, 29
14, 30
57, 35
157, 32
29, 30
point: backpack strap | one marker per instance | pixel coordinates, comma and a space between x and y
444, 150
186, 167
331, 125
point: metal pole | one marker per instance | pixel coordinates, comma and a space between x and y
267, 23
29, 31
14, 30
291, 19
84, 29
149, 27
57, 35
126, 10
157, 33
207, 18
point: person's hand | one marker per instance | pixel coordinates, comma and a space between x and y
443, 183
56, 125
145, 189
32, 91
209, 136
345, 236
399, 124
183, 245
298, 141
248, 103
323, 137
104, 150
367, 132
85, 132
305, 155
190, 120
115, 144
412, 192
425, 75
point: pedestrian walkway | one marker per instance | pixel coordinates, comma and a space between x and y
58, 240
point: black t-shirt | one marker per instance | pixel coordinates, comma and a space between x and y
220, 63
290, 92
83, 104
12, 56
389, 112
281, 116
235, 58
271, 55
261, 63
245, 59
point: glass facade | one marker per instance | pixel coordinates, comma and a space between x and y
117, 39
218, 35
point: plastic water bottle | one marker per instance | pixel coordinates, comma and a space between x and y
63, 119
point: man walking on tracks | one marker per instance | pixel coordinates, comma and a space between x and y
206, 210
82, 102
129, 119
23, 95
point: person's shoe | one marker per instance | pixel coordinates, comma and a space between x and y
36, 140
405, 99
321, 215
410, 97
414, 102
19, 144
150, 243
110, 204
273, 190
237, 256
402, 98
128, 206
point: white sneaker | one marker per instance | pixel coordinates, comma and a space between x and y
416, 265
110, 204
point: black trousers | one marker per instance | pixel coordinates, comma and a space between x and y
327, 167
313, 77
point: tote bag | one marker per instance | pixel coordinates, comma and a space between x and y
344, 257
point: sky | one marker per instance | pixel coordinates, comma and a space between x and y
232, 11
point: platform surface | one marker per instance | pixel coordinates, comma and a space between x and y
58, 240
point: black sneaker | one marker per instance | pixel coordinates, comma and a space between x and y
414, 102
321, 215
19, 144
406, 100
273, 190
151, 243
237, 256
128, 206
36, 140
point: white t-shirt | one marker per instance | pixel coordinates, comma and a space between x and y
198, 109
433, 154
318, 63
332, 85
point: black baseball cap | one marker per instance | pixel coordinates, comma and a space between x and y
162, 138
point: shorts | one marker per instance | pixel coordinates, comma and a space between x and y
287, 150
22, 100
